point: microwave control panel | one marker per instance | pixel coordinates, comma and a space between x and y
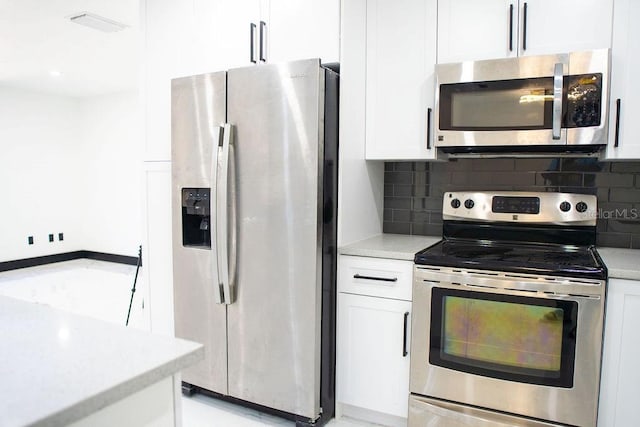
583, 100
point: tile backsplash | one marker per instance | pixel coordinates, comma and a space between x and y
413, 191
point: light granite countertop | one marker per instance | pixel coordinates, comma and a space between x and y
621, 263
393, 246
57, 367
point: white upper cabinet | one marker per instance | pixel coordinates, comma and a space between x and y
487, 29
303, 29
193, 37
624, 133
400, 60
472, 29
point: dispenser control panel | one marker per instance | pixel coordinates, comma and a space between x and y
196, 217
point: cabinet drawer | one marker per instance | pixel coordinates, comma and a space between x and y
387, 278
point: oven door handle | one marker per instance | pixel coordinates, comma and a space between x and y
549, 289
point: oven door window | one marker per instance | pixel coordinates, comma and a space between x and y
519, 104
524, 339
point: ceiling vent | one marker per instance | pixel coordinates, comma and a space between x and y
97, 22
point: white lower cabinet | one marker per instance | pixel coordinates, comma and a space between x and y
373, 339
620, 382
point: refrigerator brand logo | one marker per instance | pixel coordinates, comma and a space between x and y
298, 76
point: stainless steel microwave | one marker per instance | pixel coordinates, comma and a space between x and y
549, 103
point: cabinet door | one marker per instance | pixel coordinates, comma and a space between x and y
401, 41
619, 393
156, 252
472, 30
233, 32
625, 93
373, 373
564, 26
303, 29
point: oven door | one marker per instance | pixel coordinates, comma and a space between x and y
521, 344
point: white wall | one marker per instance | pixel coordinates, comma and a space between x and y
40, 178
110, 149
63, 164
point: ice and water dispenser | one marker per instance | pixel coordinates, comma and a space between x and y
196, 217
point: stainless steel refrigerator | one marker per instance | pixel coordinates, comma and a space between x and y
254, 183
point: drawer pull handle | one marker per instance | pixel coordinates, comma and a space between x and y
381, 279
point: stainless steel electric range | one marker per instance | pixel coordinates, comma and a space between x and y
508, 313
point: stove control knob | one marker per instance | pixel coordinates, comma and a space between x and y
468, 203
455, 203
581, 207
565, 206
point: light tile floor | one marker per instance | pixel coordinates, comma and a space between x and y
102, 290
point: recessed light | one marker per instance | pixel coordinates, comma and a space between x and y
97, 22
55, 73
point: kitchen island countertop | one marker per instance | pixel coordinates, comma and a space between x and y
58, 368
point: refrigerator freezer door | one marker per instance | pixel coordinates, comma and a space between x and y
197, 111
274, 324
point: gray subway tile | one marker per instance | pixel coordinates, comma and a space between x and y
398, 178
635, 241
494, 165
397, 203
421, 178
623, 226
388, 190
624, 195
582, 165
400, 215
629, 167
402, 190
387, 214
426, 229
559, 179
404, 166
614, 240
389, 166
420, 216
536, 165
396, 227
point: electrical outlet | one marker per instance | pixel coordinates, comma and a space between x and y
30, 240
50, 237
61, 236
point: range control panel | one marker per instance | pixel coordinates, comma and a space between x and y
516, 206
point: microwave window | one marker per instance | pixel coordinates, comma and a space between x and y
524, 336
521, 104
504, 108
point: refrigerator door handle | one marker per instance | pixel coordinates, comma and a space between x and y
222, 215
218, 136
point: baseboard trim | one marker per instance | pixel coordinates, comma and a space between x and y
67, 256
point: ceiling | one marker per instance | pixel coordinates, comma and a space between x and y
36, 38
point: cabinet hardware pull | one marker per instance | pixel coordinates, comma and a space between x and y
252, 36
428, 128
263, 35
404, 335
382, 279
511, 27
617, 140
524, 27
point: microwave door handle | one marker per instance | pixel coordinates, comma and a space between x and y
557, 100
218, 293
